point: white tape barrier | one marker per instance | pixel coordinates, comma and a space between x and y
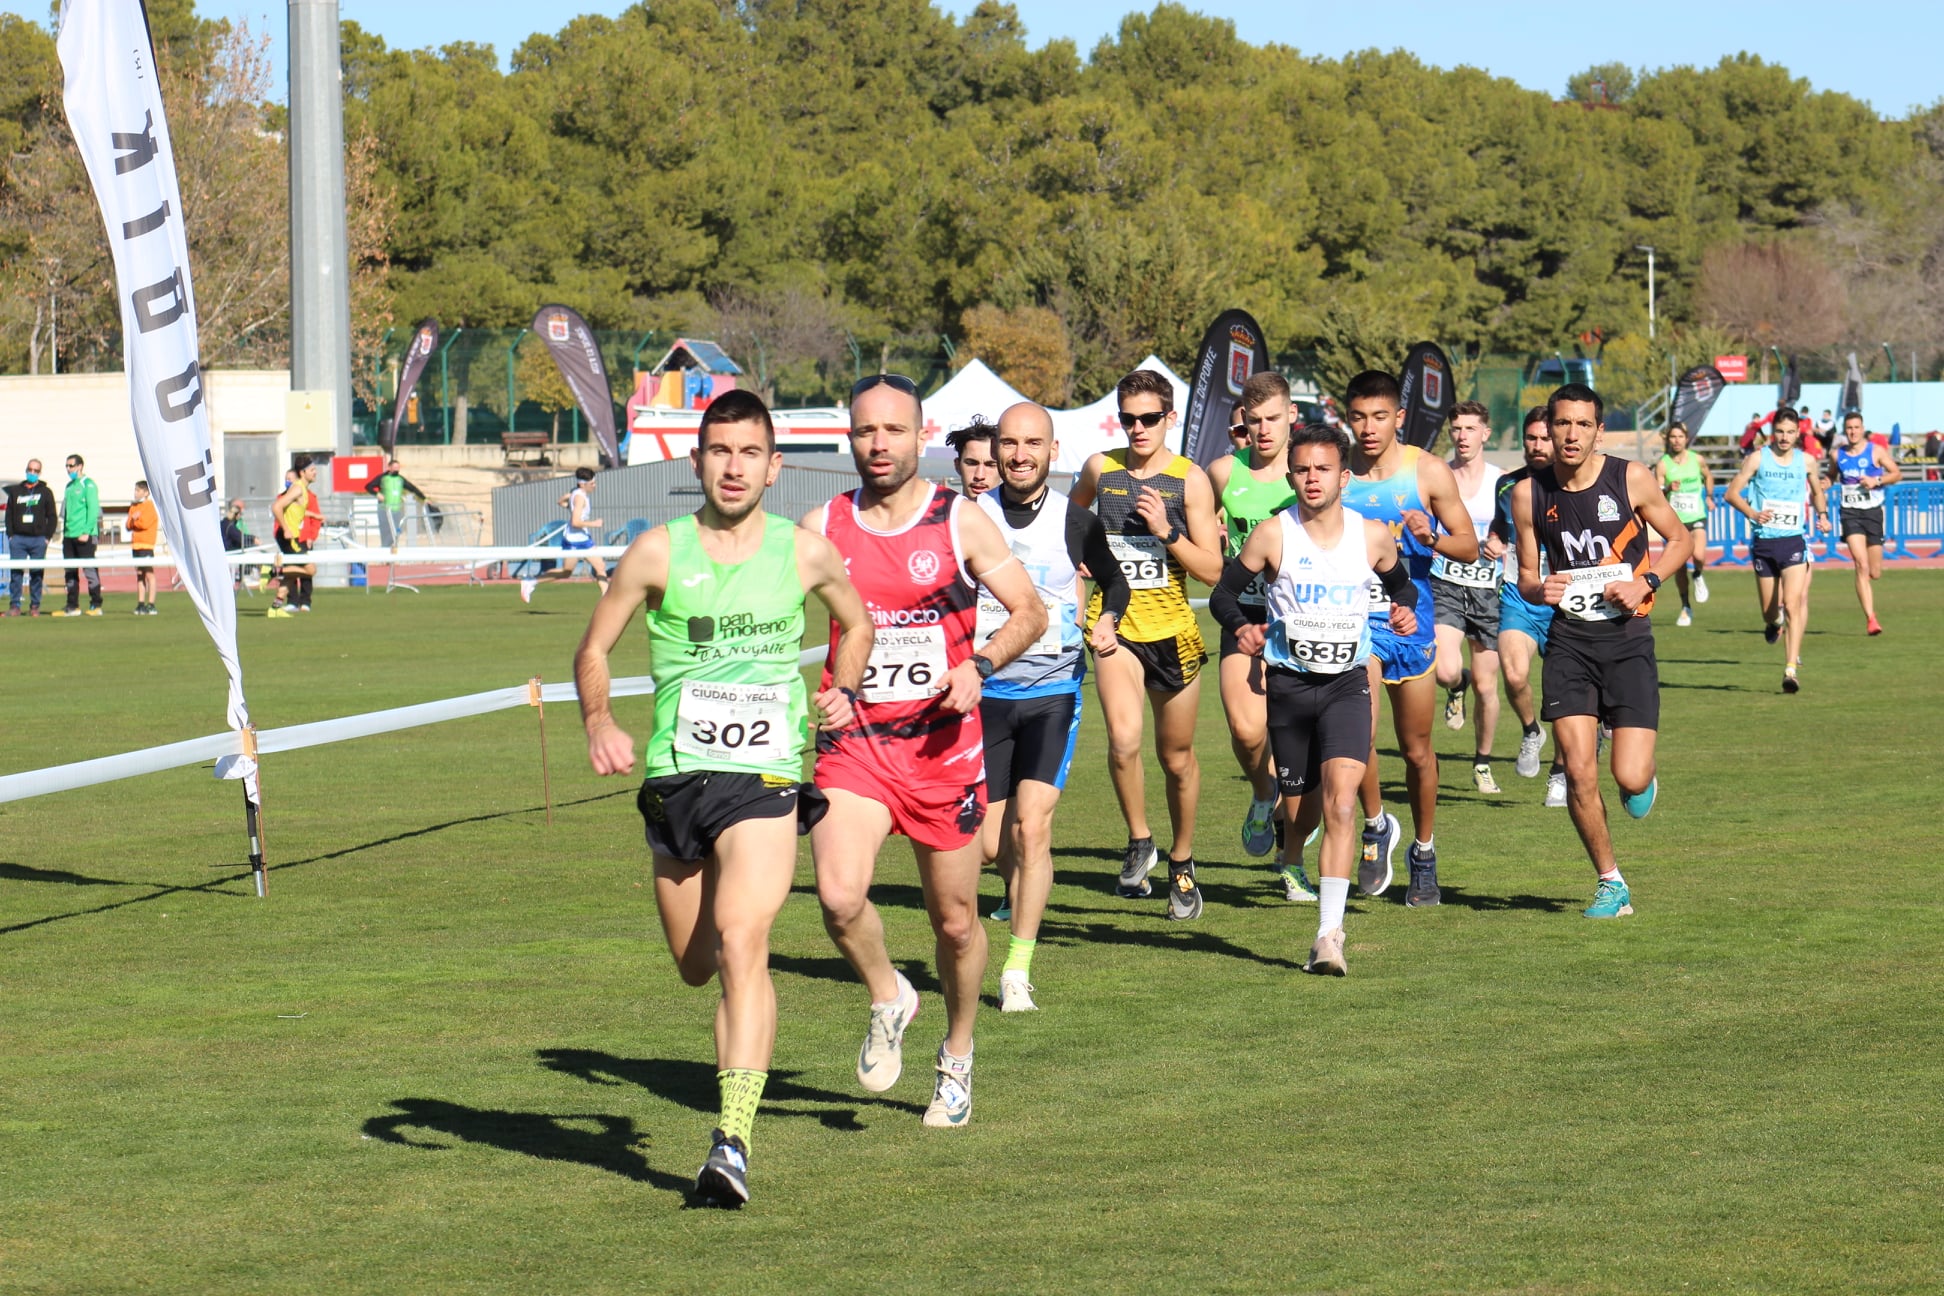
409, 556
198, 751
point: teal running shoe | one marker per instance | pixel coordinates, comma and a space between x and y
1296, 884
1640, 803
1610, 900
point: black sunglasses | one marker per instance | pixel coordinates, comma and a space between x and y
896, 382
1127, 421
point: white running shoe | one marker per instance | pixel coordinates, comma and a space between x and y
1685, 619
1700, 588
881, 1061
951, 1104
1326, 955
1530, 745
1297, 888
1259, 828
1015, 994
526, 590
1482, 780
1556, 790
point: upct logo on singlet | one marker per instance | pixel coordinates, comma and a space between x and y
923, 567
1318, 592
1585, 546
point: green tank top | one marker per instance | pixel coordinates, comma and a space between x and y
723, 649
391, 489
1684, 493
1247, 500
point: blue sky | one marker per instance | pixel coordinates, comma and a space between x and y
1886, 53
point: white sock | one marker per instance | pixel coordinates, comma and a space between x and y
1378, 822
1425, 845
1614, 876
1331, 893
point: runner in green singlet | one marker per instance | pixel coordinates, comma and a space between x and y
1684, 477
724, 799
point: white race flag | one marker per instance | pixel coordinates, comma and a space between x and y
114, 107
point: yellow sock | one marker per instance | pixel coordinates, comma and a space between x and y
741, 1092
1019, 958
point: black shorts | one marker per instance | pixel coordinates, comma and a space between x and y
1168, 665
143, 553
685, 813
1867, 523
1769, 557
1228, 646
1472, 612
1316, 718
286, 545
1028, 738
1616, 679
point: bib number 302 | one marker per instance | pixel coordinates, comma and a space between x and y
744, 723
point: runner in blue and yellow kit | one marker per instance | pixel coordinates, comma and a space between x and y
1415, 495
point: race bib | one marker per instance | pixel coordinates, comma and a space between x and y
1256, 595
1686, 503
1585, 598
1861, 497
1478, 575
906, 665
1324, 643
1784, 516
747, 724
1143, 560
993, 614
1380, 603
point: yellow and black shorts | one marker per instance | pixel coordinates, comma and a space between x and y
1168, 665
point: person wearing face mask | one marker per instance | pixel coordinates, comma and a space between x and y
80, 524
30, 525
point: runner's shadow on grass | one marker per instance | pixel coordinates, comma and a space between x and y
1459, 898
693, 1085
1162, 934
612, 1144
28, 873
834, 967
1709, 688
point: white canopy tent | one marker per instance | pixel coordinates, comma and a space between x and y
1092, 428
973, 391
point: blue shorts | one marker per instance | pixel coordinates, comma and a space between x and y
1029, 738
1533, 620
566, 543
1402, 659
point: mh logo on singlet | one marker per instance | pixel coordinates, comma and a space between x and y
1585, 546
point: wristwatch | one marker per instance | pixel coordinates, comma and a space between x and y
983, 664
1653, 581
1173, 537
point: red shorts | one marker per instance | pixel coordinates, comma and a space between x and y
943, 813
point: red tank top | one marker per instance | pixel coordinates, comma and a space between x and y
924, 606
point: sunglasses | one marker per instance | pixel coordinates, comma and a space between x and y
896, 382
1127, 421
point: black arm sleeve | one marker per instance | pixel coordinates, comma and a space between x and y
1397, 583
413, 489
1087, 546
371, 487
1225, 600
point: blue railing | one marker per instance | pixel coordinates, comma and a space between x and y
1912, 511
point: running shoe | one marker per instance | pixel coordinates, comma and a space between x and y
951, 1104
1296, 884
1326, 956
1482, 780
1771, 631
1556, 790
1015, 994
65, 612
1424, 877
1455, 703
1530, 745
95, 610
1379, 845
276, 612
1184, 897
526, 590
1002, 912
1611, 899
1259, 829
1873, 627
724, 1177
1790, 684
1639, 804
1600, 743
1700, 588
1686, 618
1135, 867
881, 1060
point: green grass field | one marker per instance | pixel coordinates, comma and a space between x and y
449, 1053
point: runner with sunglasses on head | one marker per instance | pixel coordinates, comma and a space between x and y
1159, 511
912, 761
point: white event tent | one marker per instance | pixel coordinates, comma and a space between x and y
977, 390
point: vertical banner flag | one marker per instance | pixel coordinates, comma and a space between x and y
425, 340
115, 110
1231, 350
579, 358
1424, 395
1791, 389
1852, 389
1695, 393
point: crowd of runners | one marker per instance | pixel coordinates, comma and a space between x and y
1345, 568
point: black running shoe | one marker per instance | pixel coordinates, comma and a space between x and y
1424, 877
724, 1177
1771, 632
1135, 867
1184, 897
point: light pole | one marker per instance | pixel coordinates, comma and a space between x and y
1648, 249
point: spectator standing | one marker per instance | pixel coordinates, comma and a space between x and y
143, 525
30, 525
80, 524
391, 487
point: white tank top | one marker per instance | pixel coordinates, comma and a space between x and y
1041, 549
577, 502
1480, 505
1319, 603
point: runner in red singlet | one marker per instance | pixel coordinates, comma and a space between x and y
913, 760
